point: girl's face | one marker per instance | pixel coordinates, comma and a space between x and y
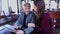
35, 8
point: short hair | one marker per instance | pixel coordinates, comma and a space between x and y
27, 4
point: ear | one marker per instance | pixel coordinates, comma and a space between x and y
31, 25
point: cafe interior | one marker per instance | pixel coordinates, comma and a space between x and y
11, 9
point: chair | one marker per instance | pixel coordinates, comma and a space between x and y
56, 18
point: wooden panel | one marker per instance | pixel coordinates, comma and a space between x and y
56, 15
2, 17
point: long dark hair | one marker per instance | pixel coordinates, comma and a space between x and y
40, 9
40, 6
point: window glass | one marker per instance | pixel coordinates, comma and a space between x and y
5, 7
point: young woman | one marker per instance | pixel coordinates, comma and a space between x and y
44, 23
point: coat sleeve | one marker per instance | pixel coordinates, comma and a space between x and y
30, 29
19, 22
47, 25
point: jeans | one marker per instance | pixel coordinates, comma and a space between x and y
6, 29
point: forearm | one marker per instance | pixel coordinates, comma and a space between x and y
28, 30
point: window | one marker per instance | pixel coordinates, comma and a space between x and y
0, 5
47, 4
53, 5
5, 7
13, 5
1, 8
59, 6
8, 5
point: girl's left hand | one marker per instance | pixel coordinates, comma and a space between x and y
31, 25
20, 32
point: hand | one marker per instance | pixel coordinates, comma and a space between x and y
20, 32
15, 26
31, 25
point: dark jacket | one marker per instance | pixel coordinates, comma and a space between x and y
30, 19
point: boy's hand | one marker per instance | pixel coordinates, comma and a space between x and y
15, 26
20, 32
31, 25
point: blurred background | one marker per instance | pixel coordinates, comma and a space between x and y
10, 11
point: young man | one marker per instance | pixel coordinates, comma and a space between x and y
25, 23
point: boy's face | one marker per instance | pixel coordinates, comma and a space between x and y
26, 8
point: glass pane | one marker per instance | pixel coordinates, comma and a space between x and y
59, 4
47, 2
13, 5
32, 4
53, 5
0, 5
5, 7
